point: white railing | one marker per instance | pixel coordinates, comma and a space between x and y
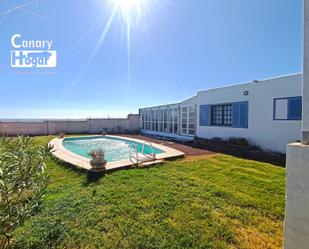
140, 158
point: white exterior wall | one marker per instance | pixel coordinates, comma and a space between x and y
262, 130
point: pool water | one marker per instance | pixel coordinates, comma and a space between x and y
115, 148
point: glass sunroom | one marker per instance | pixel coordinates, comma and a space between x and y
175, 120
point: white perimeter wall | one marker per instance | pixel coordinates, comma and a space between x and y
131, 123
263, 130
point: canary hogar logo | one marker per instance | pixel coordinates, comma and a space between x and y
32, 53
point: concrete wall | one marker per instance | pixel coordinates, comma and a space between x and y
297, 200
131, 123
31, 128
262, 129
69, 126
306, 74
296, 229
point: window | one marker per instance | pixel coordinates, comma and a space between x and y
155, 120
221, 115
172, 120
147, 119
188, 120
165, 120
281, 109
175, 124
184, 120
160, 120
229, 115
150, 120
289, 108
191, 126
142, 113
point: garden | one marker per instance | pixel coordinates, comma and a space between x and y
208, 201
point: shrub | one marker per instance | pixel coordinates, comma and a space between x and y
22, 182
216, 140
119, 128
238, 141
239, 147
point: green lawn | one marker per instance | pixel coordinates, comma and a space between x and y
213, 201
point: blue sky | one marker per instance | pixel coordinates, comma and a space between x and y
177, 47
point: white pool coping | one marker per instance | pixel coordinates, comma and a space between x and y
82, 162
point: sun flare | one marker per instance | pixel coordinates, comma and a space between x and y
129, 8
127, 4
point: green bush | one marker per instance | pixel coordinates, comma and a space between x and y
22, 182
238, 141
42, 232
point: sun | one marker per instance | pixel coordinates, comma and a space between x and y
129, 8
127, 4
130, 13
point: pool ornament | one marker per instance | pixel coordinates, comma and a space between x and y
98, 161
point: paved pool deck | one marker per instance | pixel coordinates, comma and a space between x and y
84, 163
185, 148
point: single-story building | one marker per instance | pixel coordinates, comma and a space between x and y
267, 113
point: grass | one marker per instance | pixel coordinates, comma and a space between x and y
215, 201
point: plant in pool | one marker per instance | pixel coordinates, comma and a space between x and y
98, 158
22, 183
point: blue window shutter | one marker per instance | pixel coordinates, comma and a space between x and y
240, 114
205, 113
244, 114
295, 108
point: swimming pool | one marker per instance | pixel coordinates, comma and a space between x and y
115, 148
74, 150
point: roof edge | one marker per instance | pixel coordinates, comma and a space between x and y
253, 81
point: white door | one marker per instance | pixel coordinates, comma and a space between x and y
188, 120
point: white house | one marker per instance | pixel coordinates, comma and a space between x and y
267, 113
